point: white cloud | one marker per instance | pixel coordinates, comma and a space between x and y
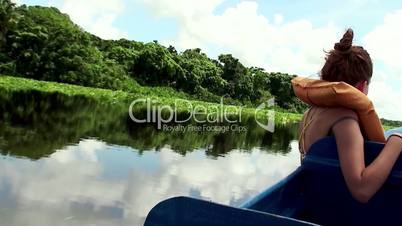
383, 44
182, 10
384, 41
386, 99
294, 47
96, 16
18, 2
286, 46
278, 18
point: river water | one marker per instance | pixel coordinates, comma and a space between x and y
72, 161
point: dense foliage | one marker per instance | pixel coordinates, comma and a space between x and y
42, 43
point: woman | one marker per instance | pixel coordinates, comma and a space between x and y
352, 65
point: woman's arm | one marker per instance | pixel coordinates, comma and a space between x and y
363, 182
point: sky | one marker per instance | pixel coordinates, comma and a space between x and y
285, 36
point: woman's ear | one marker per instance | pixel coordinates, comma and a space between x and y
362, 86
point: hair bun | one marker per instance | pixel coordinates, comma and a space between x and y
346, 42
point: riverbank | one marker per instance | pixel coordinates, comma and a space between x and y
159, 95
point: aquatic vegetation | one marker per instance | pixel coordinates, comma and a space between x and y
159, 95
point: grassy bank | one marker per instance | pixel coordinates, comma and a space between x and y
160, 95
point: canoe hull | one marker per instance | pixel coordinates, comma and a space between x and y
315, 193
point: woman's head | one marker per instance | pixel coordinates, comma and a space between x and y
348, 63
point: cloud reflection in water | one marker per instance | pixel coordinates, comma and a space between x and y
93, 183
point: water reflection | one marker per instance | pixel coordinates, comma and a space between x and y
34, 125
73, 161
93, 183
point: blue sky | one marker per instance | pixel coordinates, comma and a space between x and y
287, 36
140, 23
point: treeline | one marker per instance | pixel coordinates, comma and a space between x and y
391, 123
42, 43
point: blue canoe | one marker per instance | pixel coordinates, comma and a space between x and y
315, 193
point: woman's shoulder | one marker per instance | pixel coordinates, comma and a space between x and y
333, 116
328, 116
340, 112
337, 111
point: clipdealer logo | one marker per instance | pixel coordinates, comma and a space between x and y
164, 114
270, 125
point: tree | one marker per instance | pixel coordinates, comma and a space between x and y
232, 68
240, 82
155, 65
123, 51
8, 18
202, 71
172, 50
46, 45
261, 84
281, 88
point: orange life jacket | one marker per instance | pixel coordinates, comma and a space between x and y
340, 94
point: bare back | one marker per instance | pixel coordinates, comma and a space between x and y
317, 123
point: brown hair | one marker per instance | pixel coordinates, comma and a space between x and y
347, 63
